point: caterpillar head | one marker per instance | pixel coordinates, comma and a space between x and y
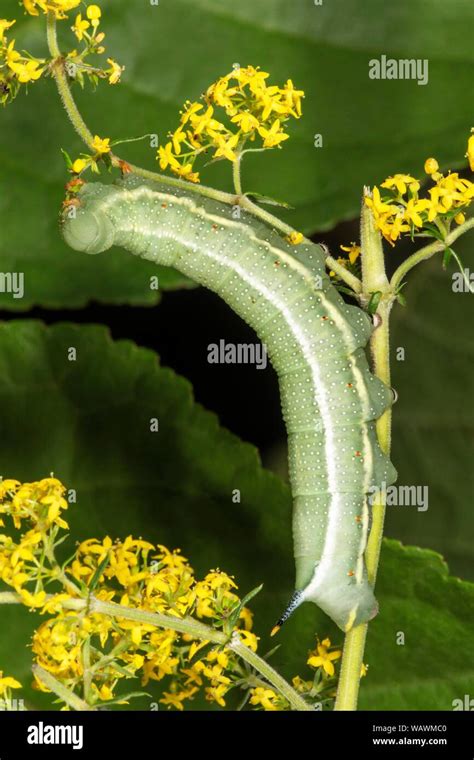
86, 227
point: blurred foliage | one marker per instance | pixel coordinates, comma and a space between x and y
433, 422
172, 52
88, 421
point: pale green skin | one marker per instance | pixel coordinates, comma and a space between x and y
315, 341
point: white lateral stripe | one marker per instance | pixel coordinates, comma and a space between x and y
324, 566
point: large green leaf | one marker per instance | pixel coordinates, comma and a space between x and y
172, 51
433, 419
435, 614
88, 422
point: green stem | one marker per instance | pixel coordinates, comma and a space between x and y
182, 625
349, 278
59, 74
68, 697
373, 279
296, 701
9, 597
236, 167
427, 252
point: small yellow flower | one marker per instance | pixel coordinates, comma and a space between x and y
322, 657
94, 13
33, 600
246, 121
267, 698
295, 238
249, 639
216, 693
101, 145
4, 25
273, 136
247, 616
176, 699
460, 218
293, 98
401, 182
115, 71
413, 210
431, 166
225, 147
166, 157
364, 668
80, 26
379, 208
79, 165
353, 250
8, 682
470, 152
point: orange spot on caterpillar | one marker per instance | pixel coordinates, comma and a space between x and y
350, 573
324, 317
349, 385
277, 263
358, 519
164, 205
357, 453
71, 202
215, 227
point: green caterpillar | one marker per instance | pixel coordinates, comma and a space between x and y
315, 341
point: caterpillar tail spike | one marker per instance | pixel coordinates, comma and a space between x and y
296, 599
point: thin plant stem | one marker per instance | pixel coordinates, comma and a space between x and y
374, 279
256, 662
427, 252
68, 697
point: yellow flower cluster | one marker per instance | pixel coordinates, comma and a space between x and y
86, 31
59, 7
400, 209
138, 575
18, 69
91, 651
253, 110
39, 504
15, 68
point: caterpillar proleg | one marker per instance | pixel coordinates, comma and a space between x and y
315, 341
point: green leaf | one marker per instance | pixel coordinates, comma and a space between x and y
374, 301
432, 354
370, 128
88, 421
434, 612
447, 257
